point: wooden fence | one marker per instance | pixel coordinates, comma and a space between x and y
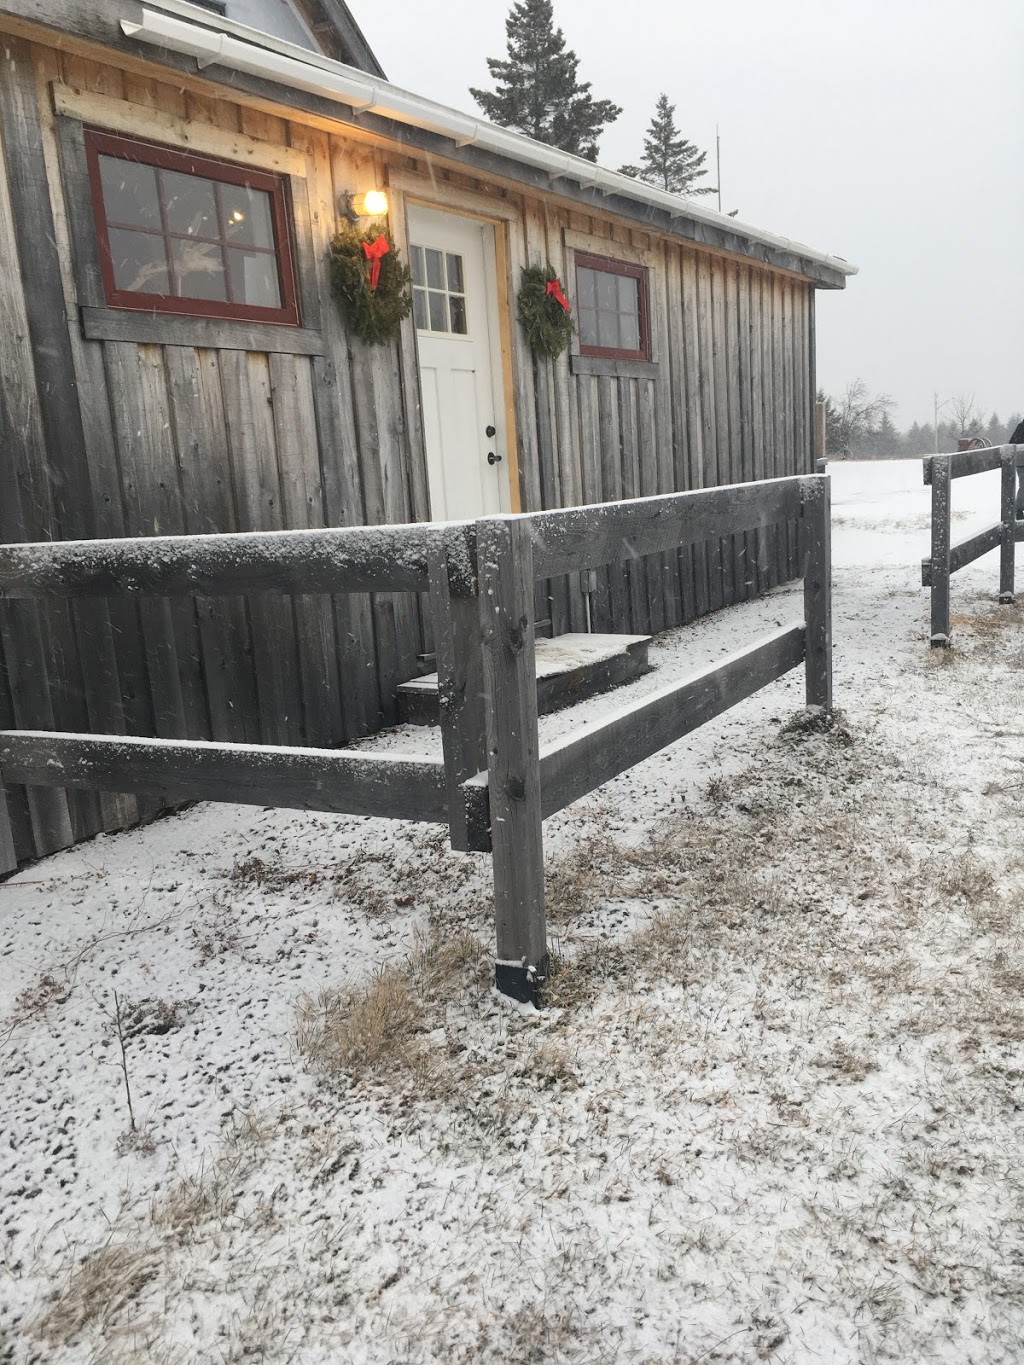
494, 785
946, 559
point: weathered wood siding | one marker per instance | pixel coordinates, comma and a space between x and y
125, 437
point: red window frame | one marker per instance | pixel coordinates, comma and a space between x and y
635, 272
99, 143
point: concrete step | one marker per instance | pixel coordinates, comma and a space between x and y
570, 668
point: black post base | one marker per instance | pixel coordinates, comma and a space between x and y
522, 983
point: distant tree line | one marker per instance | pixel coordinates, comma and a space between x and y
859, 423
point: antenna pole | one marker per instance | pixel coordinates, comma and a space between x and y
718, 166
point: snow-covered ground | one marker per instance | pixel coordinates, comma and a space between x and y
772, 1113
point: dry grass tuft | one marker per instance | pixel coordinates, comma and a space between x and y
214, 1193
968, 879
844, 1063
97, 1291
377, 1029
364, 1030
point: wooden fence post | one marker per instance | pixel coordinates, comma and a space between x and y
8, 856
939, 468
505, 567
1007, 543
457, 641
816, 495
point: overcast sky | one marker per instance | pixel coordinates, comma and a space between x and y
890, 132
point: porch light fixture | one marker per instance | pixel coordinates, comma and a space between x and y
367, 204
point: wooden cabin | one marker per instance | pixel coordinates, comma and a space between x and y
163, 396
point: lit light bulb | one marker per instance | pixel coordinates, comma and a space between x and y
370, 204
238, 216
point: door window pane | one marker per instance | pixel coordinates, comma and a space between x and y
435, 268
438, 312
457, 308
455, 285
442, 307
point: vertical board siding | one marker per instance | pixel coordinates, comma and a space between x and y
121, 438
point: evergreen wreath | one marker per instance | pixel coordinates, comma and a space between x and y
374, 314
545, 318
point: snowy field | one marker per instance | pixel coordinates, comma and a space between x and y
773, 1111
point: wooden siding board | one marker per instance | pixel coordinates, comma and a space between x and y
245, 385
734, 381
302, 506
200, 428
723, 428
338, 447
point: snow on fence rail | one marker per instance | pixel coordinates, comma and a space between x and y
495, 785
946, 559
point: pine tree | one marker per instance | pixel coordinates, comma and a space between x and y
537, 90
669, 161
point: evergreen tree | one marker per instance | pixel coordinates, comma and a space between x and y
537, 91
669, 161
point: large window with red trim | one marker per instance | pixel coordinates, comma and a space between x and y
611, 308
187, 234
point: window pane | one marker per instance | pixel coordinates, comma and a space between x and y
416, 259
608, 330
629, 333
607, 293
629, 294
140, 262
438, 313
586, 285
419, 309
254, 278
129, 193
198, 270
435, 268
588, 327
457, 307
189, 204
455, 275
248, 220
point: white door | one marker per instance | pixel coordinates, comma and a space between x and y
456, 314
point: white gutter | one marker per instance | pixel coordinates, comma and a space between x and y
249, 51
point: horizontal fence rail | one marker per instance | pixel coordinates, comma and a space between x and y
338, 781
946, 559
347, 560
589, 537
579, 762
494, 786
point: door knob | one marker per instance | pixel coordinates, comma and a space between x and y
492, 458
490, 431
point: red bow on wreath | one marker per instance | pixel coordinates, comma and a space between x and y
555, 289
373, 251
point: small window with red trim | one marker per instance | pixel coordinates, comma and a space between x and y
611, 308
187, 234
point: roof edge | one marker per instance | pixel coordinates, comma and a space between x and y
234, 46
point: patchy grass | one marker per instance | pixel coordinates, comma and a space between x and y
377, 1029
98, 1292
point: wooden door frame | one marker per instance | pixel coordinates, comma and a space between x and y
407, 188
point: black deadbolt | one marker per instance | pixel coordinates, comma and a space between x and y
491, 431
492, 458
